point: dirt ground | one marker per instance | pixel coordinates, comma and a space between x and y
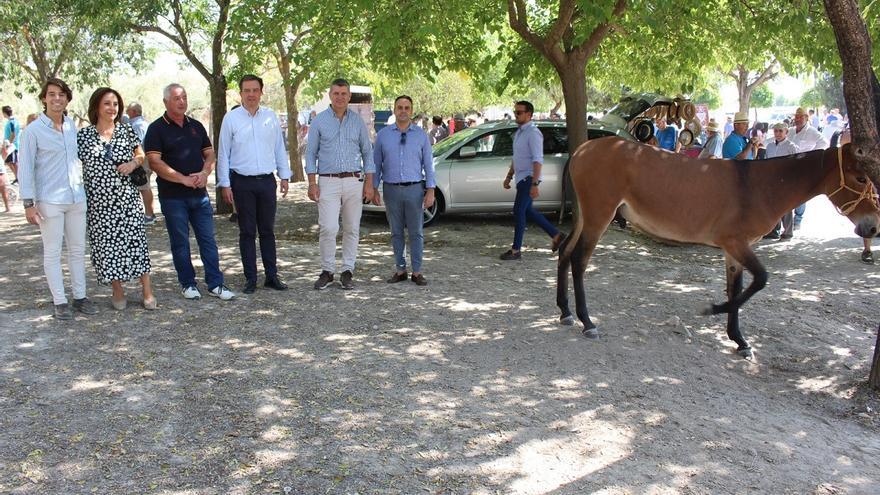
467, 385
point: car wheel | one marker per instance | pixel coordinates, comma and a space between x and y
431, 214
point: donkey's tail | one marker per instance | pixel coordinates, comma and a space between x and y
572, 240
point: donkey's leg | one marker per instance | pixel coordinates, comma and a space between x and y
739, 257
746, 257
562, 283
734, 288
579, 262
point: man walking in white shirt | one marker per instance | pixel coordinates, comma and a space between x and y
251, 152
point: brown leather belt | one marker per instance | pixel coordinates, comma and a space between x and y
341, 175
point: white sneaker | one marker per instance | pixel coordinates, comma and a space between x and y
222, 292
191, 292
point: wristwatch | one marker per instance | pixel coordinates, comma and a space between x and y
28, 203
536, 184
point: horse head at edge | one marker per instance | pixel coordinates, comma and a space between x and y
852, 191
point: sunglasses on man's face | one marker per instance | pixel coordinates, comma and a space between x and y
519, 112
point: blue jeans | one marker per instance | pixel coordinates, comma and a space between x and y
404, 206
522, 210
179, 214
799, 213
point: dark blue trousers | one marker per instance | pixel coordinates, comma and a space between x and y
255, 202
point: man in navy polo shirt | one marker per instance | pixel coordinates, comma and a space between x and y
181, 154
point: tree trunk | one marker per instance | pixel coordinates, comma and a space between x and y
217, 87
574, 91
854, 45
293, 135
745, 94
862, 92
874, 377
291, 88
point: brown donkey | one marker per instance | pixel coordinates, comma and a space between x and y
724, 203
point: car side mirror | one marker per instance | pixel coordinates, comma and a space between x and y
467, 152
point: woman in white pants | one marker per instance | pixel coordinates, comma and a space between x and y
50, 178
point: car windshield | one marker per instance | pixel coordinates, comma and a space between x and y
450, 142
629, 108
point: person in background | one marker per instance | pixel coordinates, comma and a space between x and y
528, 160
738, 146
438, 131
780, 146
54, 197
712, 148
110, 151
137, 122
667, 136
806, 138
728, 127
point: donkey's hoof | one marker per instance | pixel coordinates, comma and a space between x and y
566, 320
746, 353
714, 309
591, 333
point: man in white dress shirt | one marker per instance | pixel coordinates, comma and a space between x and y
806, 138
251, 152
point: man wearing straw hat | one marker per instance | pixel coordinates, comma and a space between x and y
738, 146
779, 146
712, 148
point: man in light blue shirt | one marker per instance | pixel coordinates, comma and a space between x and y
405, 164
738, 146
251, 152
340, 154
136, 119
50, 177
528, 159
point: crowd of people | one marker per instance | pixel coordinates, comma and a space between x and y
93, 184
739, 140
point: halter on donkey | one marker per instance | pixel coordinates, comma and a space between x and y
724, 203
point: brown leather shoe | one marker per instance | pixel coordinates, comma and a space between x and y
418, 279
397, 277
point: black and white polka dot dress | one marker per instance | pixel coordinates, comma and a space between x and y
115, 209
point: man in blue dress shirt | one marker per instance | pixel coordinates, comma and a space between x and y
340, 153
528, 159
405, 165
251, 152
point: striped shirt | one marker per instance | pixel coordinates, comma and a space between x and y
49, 169
336, 146
251, 145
